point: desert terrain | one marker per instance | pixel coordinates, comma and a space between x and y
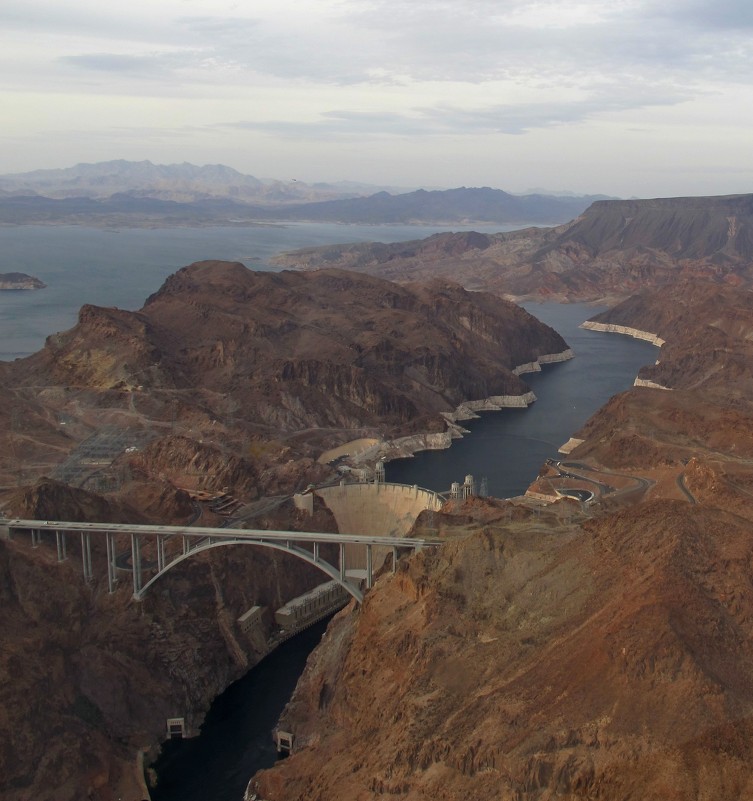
614, 249
547, 650
227, 384
564, 650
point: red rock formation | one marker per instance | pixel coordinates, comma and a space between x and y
88, 678
606, 662
235, 358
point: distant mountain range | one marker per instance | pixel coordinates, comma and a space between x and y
184, 183
141, 193
615, 248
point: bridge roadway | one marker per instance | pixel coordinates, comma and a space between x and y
195, 540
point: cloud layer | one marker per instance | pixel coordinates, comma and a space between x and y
379, 73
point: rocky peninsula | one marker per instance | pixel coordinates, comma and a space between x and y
14, 281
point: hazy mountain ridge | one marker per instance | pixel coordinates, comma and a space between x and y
126, 192
179, 182
459, 205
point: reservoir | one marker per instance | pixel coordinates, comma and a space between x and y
122, 267
508, 447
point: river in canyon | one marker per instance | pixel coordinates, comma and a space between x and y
507, 448
236, 738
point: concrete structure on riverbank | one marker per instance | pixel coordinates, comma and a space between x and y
378, 510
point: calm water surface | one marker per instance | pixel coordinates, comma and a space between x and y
122, 267
508, 447
236, 738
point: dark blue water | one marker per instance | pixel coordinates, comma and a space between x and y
123, 267
236, 738
508, 447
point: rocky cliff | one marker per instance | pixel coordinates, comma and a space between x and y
88, 678
707, 329
705, 362
608, 660
597, 652
225, 380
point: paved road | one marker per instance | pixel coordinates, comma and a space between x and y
642, 484
681, 484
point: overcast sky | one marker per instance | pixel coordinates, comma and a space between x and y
626, 97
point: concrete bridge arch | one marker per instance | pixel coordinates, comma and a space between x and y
174, 544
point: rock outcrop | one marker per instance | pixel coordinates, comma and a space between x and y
536, 657
606, 661
13, 281
88, 678
272, 368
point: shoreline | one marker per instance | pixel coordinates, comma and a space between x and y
406, 447
636, 333
613, 328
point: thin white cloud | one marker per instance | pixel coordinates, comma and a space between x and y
374, 69
442, 120
116, 62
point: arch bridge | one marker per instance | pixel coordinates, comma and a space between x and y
172, 545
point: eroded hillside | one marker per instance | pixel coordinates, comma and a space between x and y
266, 368
567, 651
534, 659
615, 248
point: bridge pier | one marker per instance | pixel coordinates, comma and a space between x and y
86, 555
111, 577
60, 538
160, 552
394, 559
304, 545
136, 564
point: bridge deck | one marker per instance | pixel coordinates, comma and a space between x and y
218, 533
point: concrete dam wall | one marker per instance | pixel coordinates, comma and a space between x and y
379, 510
